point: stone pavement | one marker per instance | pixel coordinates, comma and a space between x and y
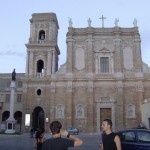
24, 142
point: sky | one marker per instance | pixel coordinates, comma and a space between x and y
15, 25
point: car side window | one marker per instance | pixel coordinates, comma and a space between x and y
128, 136
143, 137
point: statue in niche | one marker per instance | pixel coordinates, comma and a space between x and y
60, 111
131, 111
14, 75
42, 37
80, 112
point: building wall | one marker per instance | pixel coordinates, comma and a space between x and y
79, 93
146, 113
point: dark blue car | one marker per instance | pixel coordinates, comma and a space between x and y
135, 139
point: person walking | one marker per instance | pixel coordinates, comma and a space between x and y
39, 139
110, 141
57, 142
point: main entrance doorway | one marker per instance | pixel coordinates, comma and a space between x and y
105, 113
38, 118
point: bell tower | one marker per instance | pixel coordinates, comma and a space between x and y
42, 48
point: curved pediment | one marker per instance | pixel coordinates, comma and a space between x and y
104, 50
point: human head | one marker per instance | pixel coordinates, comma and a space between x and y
39, 134
55, 127
106, 124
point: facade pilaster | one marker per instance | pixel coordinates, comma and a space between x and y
70, 43
89, 53
140, 99
52, 101
120, 117
90, 107
118, 55
49, 71
27, 63
69, 107
31, 63
53, 62
137, 56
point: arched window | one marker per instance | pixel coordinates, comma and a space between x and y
42, 35
40, 66
18, 116
5, 115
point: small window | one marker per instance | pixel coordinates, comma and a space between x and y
7, 98
104, 65
19, 96
39, 92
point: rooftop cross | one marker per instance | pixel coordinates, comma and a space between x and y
102, 21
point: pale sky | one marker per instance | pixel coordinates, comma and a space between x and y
15, 25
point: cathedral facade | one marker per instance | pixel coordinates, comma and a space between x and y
103, 77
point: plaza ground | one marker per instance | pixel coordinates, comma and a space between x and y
24, 142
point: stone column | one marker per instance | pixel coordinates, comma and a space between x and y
137, 57
69, 108
120, 117
31, 63
53, 62
49, 59
140, 98
90, 107
52, 101
90, 54
70, 54
27, 63
11, 121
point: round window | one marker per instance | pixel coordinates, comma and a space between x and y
39, 92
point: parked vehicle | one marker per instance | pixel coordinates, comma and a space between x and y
135, 139
72, 130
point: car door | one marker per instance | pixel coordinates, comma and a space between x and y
128, 140
143, 138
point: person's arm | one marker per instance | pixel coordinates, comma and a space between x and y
101, 141
118, 142
34, 143
101, 146
77, 141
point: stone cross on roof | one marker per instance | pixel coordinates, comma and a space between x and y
102, 21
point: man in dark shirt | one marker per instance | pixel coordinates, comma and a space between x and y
57, 142
110, 141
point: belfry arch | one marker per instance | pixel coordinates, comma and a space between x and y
40, 66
